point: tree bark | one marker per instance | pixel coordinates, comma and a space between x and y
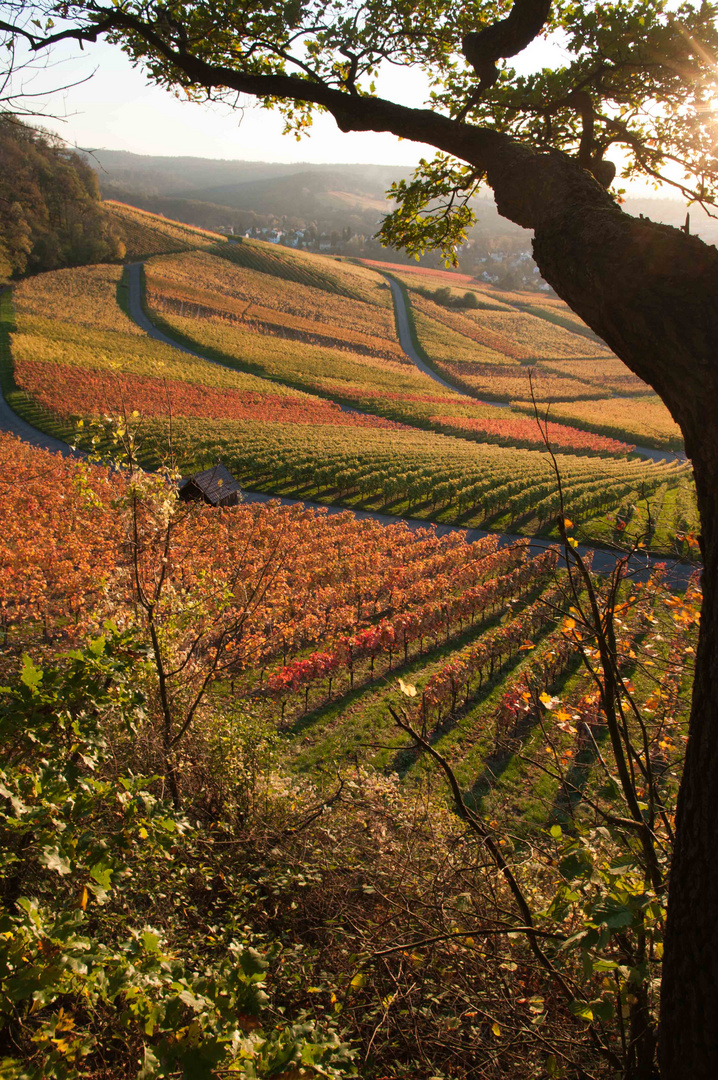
651, 293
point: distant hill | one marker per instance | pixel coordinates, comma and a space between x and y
213, 193
306, 194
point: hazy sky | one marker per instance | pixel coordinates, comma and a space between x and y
116, 109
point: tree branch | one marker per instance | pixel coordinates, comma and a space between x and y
507, 37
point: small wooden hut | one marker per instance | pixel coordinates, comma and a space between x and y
215, 486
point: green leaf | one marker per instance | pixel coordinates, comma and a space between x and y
613, 915
582, 1009
30, 675
576, 865
151, 942
102, 874
53, 860
253, 963
603, 1009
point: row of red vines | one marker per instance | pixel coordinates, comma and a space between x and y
391, 635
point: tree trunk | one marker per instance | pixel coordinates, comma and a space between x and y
651, 293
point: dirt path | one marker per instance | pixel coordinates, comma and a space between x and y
11, 422
603, 561
407, 343
406, 340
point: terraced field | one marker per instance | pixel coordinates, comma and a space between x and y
274, 405
486, 346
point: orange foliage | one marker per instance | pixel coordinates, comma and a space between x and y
70, 391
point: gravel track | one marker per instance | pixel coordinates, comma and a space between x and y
603, 560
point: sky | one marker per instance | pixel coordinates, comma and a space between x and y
117, 109
111, 105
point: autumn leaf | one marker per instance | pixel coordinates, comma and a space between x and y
549, 702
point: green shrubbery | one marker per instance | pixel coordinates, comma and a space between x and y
111, 953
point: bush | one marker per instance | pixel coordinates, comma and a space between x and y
109, 952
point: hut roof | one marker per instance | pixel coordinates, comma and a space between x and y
216, 484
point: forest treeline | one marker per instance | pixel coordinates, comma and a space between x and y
51, 214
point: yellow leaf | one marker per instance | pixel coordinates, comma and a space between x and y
407, 688
496, 1029
569, 624
573, 542
143, 833
358, 980
567, 523
84, 898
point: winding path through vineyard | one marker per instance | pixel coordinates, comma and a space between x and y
603, 560
403, 327
406, 340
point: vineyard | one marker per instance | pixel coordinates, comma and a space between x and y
279, 339
645, 420
448, 480
356, 629
148, 234
237, 318
325, 423
347, 607
267, 302
248, 703
484, 348
76, 355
